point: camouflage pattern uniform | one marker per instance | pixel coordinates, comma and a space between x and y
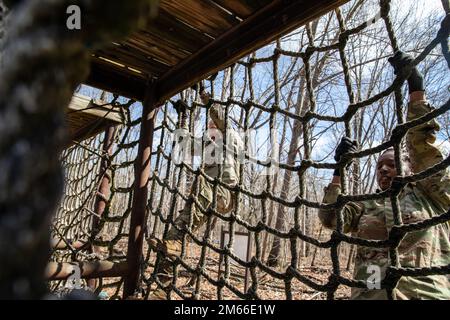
230, 176
204, 193
419, 201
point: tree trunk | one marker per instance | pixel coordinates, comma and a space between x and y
301, 109
273, 204
313, 261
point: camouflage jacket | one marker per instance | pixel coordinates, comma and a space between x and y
227, 157
214, 154
373, 220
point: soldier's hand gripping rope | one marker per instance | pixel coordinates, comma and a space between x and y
345, 146
181, 109
400, 61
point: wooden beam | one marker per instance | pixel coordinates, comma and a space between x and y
86, 117
82, 105
167, 29
145, 47
88, 270
108, 79
59, 244
142, 172
278, 18
201, 15
134, 60
242, 9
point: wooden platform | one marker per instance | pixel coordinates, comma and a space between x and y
87, 118
191, 39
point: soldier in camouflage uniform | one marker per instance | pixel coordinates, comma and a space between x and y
419, 201
171, 245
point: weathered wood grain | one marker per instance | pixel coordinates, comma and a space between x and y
242, 8
201, 15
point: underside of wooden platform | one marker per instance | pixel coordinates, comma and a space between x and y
87, 118
191, 39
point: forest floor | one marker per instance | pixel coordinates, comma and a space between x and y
269, 288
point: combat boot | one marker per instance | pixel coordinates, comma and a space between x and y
171, 249
158, 294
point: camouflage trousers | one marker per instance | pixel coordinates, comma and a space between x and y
225, 204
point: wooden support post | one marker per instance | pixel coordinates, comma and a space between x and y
140, 195
104, 189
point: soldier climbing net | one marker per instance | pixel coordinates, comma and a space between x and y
170, 182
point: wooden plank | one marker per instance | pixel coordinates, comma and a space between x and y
122, 83
201, 15
156, 47
86, 118
242, 8
79, 102
166, 28
161, 44
84, 105
276, 19
135, 61
166, 31
116, 66
88, 270
59, 245
145, 47
238, 8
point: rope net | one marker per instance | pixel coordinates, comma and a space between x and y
80, 232
303, 91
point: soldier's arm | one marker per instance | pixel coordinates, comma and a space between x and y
424, 153
235, 155
351, 212
420, 139
190, 144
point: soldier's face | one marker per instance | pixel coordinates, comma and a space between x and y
211, 125
386, 170
213, 132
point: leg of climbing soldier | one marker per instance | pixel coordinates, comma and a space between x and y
171, 245
204, 196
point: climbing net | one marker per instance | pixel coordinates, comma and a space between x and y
80, 230
252, 102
